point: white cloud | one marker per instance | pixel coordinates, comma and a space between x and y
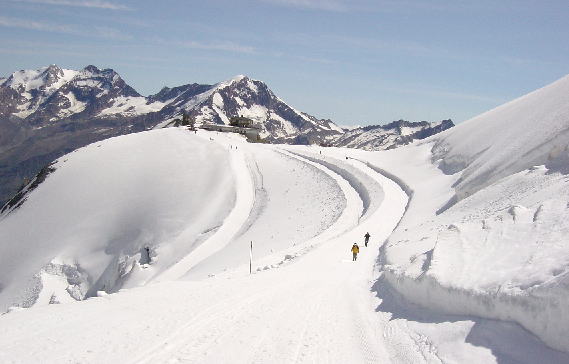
111, 33
79, 3
35, 25
217, 46
98, 31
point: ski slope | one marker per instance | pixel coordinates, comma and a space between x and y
197, 201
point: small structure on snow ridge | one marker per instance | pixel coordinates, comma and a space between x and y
241, 121
237, 124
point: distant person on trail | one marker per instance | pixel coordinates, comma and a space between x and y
366, 236
355, 251
148, 254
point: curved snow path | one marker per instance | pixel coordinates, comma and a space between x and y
320, 309
251, 201
231, 225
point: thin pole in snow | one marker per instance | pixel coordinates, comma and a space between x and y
251, 258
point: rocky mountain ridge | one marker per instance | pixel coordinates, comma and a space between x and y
389, 136
51, 111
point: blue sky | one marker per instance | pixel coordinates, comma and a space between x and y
353, 61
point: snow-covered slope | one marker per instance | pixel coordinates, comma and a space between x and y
155, 229
84, 215
531, 130
197, 201
166, 190
488, 238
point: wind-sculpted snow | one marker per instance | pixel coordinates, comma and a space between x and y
531, 130
293, 202
499, 254
108, 201
488, 237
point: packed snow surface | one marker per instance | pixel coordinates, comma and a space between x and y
144, 241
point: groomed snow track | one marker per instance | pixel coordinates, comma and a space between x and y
319, 309
308, 303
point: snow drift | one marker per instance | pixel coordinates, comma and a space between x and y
97, 212
106, 210
531, 130
488, 237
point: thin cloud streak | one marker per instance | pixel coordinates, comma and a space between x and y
327, 5
89, 56
78, 3
98, 31
225, 46
111, 33
446, 94
35, 25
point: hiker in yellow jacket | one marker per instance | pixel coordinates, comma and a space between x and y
355, 251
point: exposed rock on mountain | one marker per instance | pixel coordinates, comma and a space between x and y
50, 94
48, 112
389, 136
242, 96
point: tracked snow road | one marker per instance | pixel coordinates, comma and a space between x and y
306, 301
317, 309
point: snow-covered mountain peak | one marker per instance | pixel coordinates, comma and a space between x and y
238, 78
243, 96
88, 72
50, 77
105, 78
231, 81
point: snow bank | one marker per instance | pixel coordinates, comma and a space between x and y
292, 204
531, 130
107, 202
488, 238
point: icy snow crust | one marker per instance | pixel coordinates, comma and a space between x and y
439, 282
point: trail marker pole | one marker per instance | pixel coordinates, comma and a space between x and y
251, 258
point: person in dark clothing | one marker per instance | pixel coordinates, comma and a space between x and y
148, 254
366, 236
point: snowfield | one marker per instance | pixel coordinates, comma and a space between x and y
136, 249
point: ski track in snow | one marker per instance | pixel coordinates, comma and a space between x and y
292, 328
320, 307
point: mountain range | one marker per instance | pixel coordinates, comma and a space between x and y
52, 111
